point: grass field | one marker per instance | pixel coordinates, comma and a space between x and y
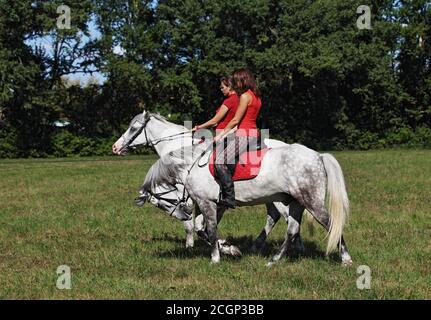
80, 213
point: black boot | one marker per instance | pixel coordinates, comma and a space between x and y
227, 188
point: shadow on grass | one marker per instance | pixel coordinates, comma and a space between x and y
244, 243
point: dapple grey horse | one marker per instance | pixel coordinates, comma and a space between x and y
166, 137
292, 174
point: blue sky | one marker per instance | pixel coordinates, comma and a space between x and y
46, 42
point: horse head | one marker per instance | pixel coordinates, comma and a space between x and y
134, 135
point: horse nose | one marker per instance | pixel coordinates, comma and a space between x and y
140, 201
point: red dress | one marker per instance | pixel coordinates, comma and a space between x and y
246, 133
248, 123
231, 103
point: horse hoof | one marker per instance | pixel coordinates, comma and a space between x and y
203, 236
228, 249
234, 251
299, 249
347, 263
270, 264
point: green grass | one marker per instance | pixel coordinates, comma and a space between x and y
80, 212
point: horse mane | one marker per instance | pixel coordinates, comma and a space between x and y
167, 169
164, 172
163, 119
159, 117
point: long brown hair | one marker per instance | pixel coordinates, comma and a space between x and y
243, 80
227, 81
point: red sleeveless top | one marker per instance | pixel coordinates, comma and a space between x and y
231, 103
248, 123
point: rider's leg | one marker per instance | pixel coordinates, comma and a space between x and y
227, 187
225, 157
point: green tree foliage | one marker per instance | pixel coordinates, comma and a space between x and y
31, 91
415, 60
325, 83
20, 74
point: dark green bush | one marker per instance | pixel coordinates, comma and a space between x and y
66, 144
8, 147
408, 137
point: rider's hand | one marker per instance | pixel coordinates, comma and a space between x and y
196, 128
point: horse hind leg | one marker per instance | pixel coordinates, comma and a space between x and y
293, 232
346, 260
322, 216
294, 226
294, 217
273, 215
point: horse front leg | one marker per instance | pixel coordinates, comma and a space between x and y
199, 219
209, 211
224, 246
189, 227
200, 225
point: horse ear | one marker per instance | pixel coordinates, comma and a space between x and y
146, 115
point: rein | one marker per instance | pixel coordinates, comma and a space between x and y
149, 142
156, 141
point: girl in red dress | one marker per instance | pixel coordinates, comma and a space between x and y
226, 111
236, 143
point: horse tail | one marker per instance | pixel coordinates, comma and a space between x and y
337, 201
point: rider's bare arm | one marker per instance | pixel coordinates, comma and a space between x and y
244, 101
216, 119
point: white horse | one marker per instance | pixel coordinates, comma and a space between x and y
291, 174
166, 137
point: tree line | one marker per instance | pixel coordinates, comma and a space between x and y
325, 82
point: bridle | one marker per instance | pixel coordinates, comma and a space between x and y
136, 134
175, 202
148, 142
160, 195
